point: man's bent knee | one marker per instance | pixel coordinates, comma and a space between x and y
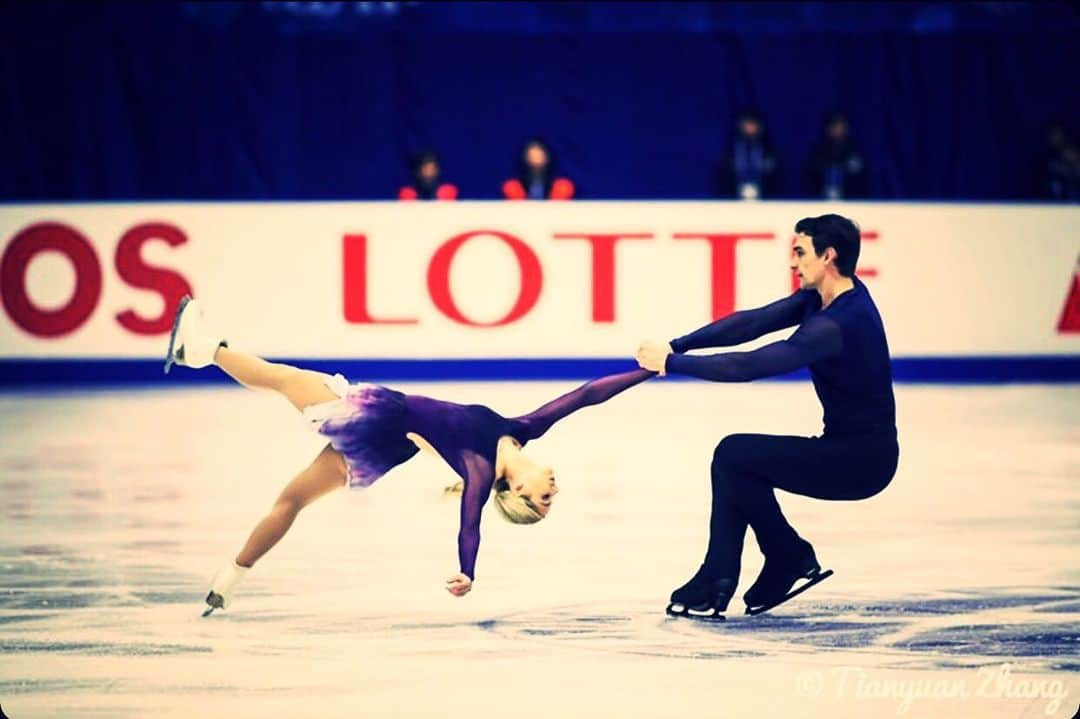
727, 452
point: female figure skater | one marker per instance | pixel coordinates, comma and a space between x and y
372, 429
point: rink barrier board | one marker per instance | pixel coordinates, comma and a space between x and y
495, 280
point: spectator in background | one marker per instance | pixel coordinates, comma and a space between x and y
836, 169
1058, 166
425, 184
751, 171
537, 178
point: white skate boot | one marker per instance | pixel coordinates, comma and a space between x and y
223, 586
192, 342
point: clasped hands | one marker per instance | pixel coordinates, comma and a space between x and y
653, 356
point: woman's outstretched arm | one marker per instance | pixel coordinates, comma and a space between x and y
537, 422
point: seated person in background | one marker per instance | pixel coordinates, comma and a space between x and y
836, 169
1057, 167
536, 178
425, 184
751, 170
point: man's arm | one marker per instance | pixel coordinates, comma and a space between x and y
817, 338
747, 325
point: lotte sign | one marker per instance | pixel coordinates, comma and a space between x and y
722, 247
134, 271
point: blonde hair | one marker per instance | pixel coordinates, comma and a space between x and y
514, 508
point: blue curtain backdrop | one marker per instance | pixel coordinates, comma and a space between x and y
326, 100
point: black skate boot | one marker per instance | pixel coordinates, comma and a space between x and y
780, 573
705, 596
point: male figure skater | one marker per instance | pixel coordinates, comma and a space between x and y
840, 337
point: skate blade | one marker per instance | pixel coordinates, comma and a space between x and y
213, 601
170, 360
709, 615
813, 579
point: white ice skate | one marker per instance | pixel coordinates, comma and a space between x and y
192, 342
223, 586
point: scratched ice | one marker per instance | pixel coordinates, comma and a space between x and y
117, 507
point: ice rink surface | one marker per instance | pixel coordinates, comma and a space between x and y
956, 594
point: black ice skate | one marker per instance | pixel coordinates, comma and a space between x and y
776, 583
704, 597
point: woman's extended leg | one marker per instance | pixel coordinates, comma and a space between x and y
324, 474
300, 386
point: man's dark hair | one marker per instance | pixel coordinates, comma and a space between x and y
836, 232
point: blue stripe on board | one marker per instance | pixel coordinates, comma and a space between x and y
48, 372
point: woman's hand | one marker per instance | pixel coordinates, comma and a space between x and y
653, 356
458, 585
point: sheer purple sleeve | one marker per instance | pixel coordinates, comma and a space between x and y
537, 422
747, 325
817, 338
479, 477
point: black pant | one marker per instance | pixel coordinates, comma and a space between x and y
747, 468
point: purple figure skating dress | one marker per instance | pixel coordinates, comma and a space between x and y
368, 425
